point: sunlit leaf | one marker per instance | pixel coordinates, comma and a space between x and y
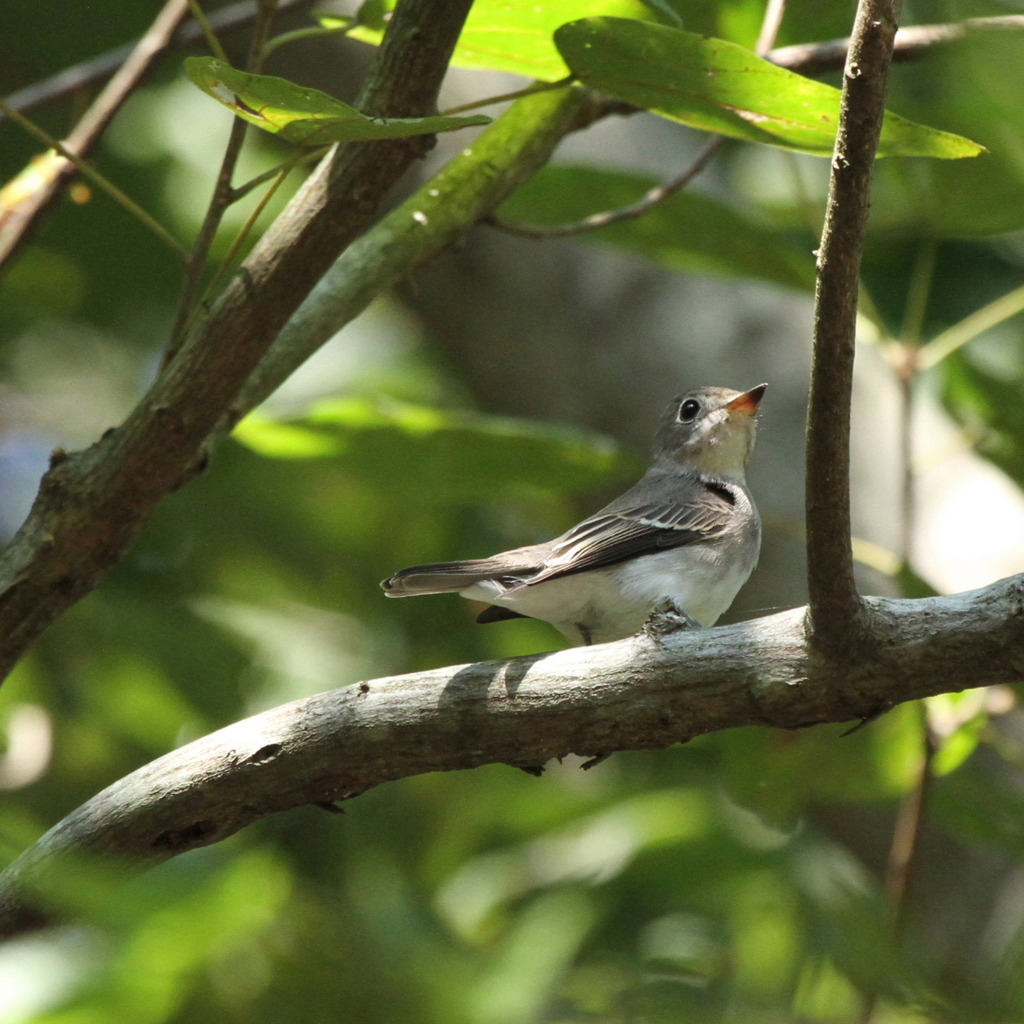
959, 720
436, 455
689, 231
509, 35
304, 116
721, 87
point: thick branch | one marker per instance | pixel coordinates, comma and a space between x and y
92, 505
645, 692
836, 612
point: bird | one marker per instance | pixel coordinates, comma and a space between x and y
686, 536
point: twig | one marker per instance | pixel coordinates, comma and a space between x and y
836, 611
644, 692
645, 204
227, 264
223, 193
311, 156
774, 12
905, 851
208, 31
911, 43
505, 97
17, 217
15, 229
71, 80
219, 202
981, 320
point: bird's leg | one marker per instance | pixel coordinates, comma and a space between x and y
666, 618
585, 633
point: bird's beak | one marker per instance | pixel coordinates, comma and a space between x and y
748, 402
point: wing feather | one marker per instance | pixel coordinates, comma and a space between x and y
622, 531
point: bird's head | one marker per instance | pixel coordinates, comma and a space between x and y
710, 430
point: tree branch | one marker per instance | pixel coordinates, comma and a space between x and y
518, 144
17, 225
650, 691
92, 505
835, 609
911, 43
96, 69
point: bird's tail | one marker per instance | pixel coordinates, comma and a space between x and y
443, 577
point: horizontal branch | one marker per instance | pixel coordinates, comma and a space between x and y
911, 43
650, 691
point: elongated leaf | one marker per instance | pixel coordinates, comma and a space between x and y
515, 36
306, 117
721, 87
690, 231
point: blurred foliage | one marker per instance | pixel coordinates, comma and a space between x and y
689, 231
737, 878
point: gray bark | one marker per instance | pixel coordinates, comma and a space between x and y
661, 687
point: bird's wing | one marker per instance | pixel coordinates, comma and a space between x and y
619, 532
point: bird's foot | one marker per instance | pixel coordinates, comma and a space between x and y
667, 618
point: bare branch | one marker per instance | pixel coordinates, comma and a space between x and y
647, 202
88, 73
18, 222
836, 612
911, 43
649, 691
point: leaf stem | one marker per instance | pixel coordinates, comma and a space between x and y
207, 29
981, 320
515, 95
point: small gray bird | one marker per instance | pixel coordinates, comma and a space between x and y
687, 533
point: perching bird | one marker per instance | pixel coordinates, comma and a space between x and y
687, 533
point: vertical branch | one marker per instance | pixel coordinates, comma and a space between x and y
836, 611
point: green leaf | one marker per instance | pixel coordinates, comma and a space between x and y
306, 117
690, 231
432, 455
509, 35
721, 87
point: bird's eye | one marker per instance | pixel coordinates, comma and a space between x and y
688, 410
